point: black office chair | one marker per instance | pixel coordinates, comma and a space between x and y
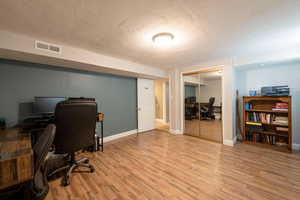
208, 113
38, 187
76, 123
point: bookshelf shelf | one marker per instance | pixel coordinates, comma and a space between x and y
267, 111
266, 127
273, 133
280, 125
276, 133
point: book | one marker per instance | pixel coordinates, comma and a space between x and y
284, 129
248, 106
254, 123
260, 117
254, 117
256, 137
279, 120
281, 144
280, 109
282, 106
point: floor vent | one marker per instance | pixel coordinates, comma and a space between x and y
48, 47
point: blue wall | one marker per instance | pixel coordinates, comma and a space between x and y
189, 91
20, 82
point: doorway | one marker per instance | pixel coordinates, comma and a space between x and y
161, 90
203, 105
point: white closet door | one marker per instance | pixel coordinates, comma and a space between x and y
146, 104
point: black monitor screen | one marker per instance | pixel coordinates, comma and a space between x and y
45, 105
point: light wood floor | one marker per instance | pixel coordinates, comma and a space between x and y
205, 129
158, 165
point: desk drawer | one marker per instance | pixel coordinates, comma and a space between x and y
16, 170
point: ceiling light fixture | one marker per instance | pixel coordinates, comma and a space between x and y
163, 39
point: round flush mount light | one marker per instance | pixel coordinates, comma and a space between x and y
163, 39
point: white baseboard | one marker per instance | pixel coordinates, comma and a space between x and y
296, 147
176, 132
119, 135
228, 142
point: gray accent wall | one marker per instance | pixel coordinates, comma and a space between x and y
20, 82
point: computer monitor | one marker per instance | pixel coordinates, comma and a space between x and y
46, 105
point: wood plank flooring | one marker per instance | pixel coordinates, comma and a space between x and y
158, 165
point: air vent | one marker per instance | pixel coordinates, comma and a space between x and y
48, 47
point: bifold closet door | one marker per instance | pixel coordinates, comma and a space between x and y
192, 125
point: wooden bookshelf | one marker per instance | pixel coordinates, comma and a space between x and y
259, 110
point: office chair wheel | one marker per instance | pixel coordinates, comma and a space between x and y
65, 181
92, 169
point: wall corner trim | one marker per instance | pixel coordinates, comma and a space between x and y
119, 135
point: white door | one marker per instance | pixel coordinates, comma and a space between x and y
146, 104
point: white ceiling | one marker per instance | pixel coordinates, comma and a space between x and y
204, 30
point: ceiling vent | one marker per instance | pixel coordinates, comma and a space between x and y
48, 47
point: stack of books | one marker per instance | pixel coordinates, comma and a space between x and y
281, 107
282, 129
283, 121
281, 143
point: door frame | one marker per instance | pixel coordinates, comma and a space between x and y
164, 89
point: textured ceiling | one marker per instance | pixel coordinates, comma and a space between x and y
204, 29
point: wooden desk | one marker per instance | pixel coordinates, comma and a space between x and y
100, 118
16, 158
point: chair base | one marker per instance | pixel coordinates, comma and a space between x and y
72, 165
208, 118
